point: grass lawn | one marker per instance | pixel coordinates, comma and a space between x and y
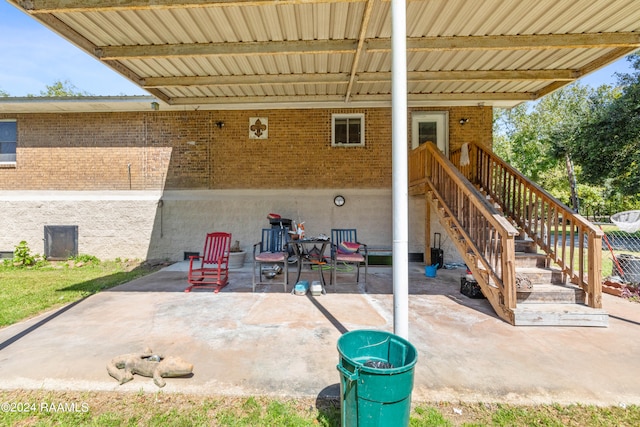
43, 408
26, 292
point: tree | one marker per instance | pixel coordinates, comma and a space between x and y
3, 93
607, 144
533, 138
595, 130
576, 104
62, 88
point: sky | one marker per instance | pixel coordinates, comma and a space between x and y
34, 57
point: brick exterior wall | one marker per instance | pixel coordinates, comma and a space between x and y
478, 129
108, 173
186, 150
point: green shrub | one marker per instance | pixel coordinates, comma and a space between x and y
86, 259
22, 255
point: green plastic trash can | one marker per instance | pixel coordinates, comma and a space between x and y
376, 378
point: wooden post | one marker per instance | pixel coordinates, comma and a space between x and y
509, 271
473, 159
595, 271
427, 229
428, 172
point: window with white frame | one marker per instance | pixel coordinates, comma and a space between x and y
347, 130
8, 141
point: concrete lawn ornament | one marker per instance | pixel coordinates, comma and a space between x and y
148, 364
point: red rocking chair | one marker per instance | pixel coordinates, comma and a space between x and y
211, 269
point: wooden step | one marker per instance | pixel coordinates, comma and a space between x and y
542, 275
548, 293
524, 259
526, 245
559, 315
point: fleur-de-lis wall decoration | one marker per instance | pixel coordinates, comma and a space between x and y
258, 128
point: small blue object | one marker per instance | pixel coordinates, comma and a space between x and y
430, 270
301, 287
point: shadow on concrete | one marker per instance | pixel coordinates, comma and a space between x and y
624, 320
328, 405
38, 324
335, 322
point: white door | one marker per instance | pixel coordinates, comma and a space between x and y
430, 126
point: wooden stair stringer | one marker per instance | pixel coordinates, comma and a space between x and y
472, 259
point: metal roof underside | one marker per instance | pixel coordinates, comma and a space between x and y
315, 53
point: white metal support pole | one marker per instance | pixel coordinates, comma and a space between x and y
399, 168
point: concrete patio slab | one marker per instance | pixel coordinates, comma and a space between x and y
278, 344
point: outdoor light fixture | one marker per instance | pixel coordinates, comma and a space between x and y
463, 120
155, 106
220, 124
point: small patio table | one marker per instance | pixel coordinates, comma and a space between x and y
311, 252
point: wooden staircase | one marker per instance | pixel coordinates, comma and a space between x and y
529, 281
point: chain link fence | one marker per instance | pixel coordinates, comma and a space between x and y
621, 254
620, 249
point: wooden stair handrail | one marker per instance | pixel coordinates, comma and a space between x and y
484, 237
538, 213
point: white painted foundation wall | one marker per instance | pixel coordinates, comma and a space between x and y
155, 225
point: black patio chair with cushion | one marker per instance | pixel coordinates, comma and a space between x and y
347, 254
271, 251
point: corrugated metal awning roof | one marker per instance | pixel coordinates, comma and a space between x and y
299, 53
